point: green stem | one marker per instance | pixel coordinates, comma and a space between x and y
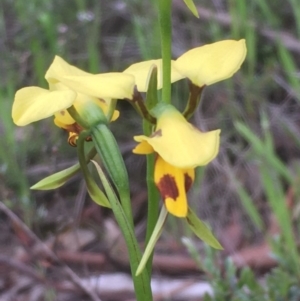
164, 11
142, 282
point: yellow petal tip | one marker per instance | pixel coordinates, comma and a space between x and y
212, 63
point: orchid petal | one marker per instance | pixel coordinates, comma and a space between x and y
181, 144
63, 119
142, 70
33, 103
106, 85
60, 68
143, 148
212, 63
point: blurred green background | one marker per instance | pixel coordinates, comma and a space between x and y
255, 178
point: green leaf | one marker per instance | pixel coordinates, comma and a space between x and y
95, 192
191, 6
93, 189
153, 239
56, 180
141, 283
60, 178
201, 230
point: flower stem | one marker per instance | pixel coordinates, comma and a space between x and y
164, 11
142, 282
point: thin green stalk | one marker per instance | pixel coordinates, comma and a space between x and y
94, 37
164, 11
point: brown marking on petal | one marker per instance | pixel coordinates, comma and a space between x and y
188, 182
102, 100
63, 113
157, 134
167, 187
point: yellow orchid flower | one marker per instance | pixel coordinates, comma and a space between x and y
180, 147
203, 65
65, 89
178, 142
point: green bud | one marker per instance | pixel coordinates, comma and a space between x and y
111, 157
